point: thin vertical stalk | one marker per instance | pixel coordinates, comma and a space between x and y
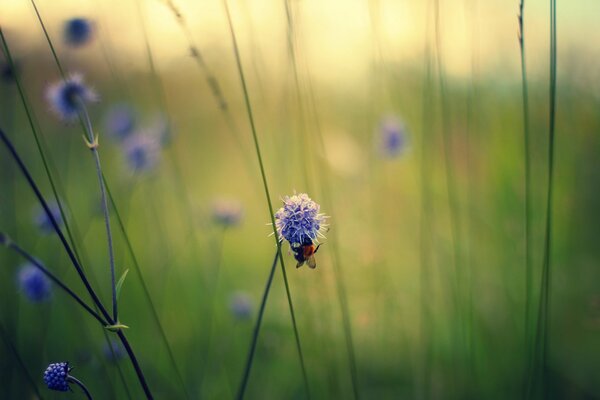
261, 311
74, 260
527, 165
19, 361
93, 144
540, 361
146, 292
266, 189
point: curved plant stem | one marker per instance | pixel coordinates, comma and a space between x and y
13, 246
267, 194
54, 223
526, 150
261, 311
74, 260
81, 385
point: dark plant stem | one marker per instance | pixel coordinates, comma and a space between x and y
13, 246
267, 194
38, 142
54, 223
76, 381
73, 259
135, 363
261, 311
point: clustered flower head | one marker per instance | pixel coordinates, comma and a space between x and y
393, 137
227, 212
78, 31
56, 376
42, 220
66, 96
299, 221
241, 306
34, 284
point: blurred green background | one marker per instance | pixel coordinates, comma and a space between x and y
429, 244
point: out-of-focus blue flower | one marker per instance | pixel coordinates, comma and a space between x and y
7, 73
393, 137
241, 306
299, 221
34, 284
120, 121
78, 31
42, 220
142, 152
114, 351
227, 212
65, 96
56, 376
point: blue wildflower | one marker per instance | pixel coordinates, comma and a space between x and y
34, 284
120, 121
393, 137
113, 350
78, 31
56, 376
227, 212
142, 152
65, 96
299, 221
241, 306
42, 220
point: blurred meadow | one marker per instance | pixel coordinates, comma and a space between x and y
447, 271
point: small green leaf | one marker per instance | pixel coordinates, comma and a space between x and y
120, 283
116, 327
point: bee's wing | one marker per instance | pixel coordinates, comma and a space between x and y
312, 262
299, 264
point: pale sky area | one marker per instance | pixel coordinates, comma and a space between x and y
340, 39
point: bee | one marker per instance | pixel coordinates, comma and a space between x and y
305, 253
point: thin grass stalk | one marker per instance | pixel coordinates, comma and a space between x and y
249, 361
74, 260
325, 186
19, 361
13, 246
527, 166
325, 190
212, 82
425, 225
450, 185
92, 142
266, 189
146, 292
55, 184
38, 143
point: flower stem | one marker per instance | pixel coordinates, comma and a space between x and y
90, 132
54, 223
76, 381
13, 246
73, 259
267, 194
261, 311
